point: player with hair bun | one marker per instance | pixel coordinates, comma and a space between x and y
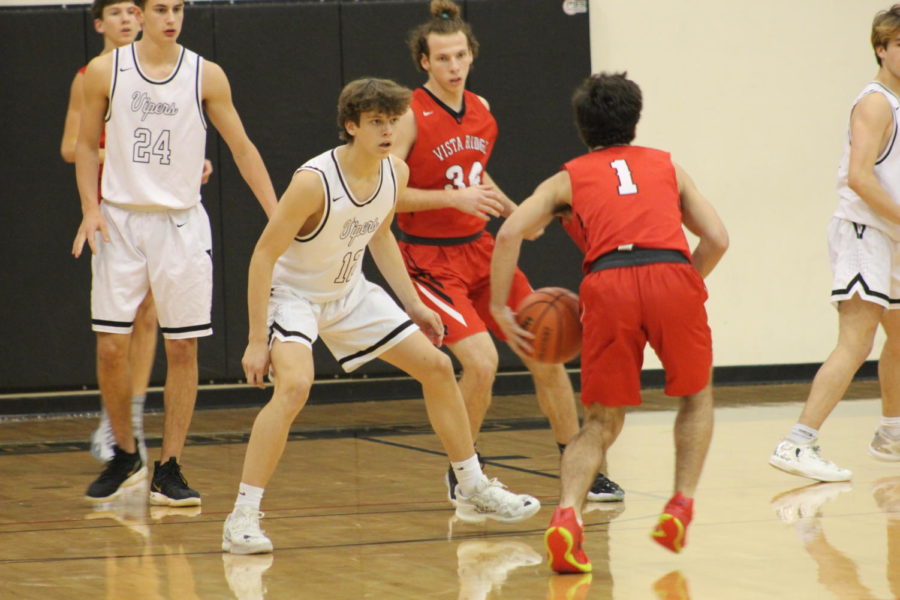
447, 138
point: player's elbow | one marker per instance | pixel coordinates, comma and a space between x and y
718, 241
508, 234
858, 180
67, 153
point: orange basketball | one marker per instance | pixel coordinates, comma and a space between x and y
551, 314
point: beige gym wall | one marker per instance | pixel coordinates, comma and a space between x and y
752, 100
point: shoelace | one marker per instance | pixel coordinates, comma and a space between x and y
817, 457
248, 519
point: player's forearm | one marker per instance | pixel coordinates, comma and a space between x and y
707, 255
253, 170
87, 164
389, 261
504, 259
259, 286
868, 188
415, 200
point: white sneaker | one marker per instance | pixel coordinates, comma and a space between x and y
805, 502
804, 460
241, 533
494, 501
884, 447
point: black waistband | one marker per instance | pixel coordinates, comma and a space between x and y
452, 241
637, 256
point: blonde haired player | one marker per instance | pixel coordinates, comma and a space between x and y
864, 244
447, 138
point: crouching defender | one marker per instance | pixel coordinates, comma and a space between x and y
306, 282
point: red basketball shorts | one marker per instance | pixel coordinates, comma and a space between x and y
455, 281
622, 310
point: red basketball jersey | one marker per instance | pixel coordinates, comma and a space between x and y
451, 151
626, 195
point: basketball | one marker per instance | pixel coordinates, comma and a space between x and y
551, 314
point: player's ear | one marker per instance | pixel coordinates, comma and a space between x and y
351, 127
98, 26
424, 62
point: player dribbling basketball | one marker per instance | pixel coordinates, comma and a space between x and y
641, 284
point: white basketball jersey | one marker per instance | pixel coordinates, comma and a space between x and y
155, 134
324, 264
887, 170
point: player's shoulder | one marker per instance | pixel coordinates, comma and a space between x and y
211, 68
877, 98
482, 100
400, 167
102, 62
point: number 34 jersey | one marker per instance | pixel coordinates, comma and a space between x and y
451, 152
155, 134
325, 264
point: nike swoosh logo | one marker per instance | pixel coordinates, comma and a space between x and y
427, 113
336, 198
124, 69
180, 224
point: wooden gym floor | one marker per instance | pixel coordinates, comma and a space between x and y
357, 510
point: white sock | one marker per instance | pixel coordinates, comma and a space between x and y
891, 426
137, 412
249, 495
468, 474
801, 434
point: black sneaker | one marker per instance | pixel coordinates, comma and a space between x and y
122, 471
169, 487
450, 480
605, 490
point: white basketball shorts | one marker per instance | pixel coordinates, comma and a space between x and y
168, 252
864, 261
356, 328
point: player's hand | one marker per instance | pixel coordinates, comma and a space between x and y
519, 339
207, 171
428, 321
91, 223
256, 363
483, 201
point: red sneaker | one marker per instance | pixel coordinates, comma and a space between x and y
563, 540
671, 529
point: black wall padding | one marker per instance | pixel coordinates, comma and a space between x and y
286, 62
44, 304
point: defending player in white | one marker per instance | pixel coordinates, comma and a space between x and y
305, 281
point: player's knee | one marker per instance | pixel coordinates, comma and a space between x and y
438, 369
481, 372
112, 349
547, 374
181, 353
292, 391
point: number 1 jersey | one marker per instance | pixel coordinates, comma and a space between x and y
451, 152
625, 195
155, 134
